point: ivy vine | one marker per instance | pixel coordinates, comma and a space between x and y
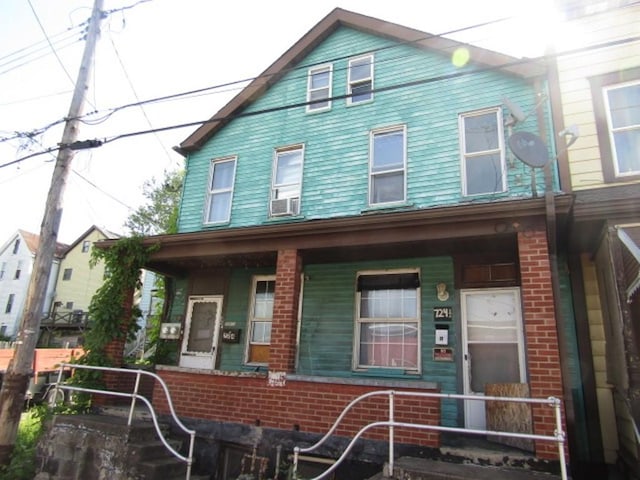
109, 317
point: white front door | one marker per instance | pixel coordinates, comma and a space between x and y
493, 349
202, 328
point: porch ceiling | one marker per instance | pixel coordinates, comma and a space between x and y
487, 227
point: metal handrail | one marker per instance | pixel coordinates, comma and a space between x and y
558, 434
134, 396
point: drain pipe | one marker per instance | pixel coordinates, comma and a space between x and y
552, 224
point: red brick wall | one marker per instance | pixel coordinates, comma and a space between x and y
282, 353
541, 334
312, 406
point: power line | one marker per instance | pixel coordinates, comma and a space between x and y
50, 44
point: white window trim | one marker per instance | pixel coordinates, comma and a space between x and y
500, 150
611, 130
211, 191
358, 321
310, 90
252, 317
274, 187
350, 83
372, 135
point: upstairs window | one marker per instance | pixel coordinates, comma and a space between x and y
388, 320
66, 274
16, 246
387, 166
3, 268
18, 270
10, 301
319, 88
86, 245
482, 150
287, 180
222, 177
260, 319
360, 80
622, 103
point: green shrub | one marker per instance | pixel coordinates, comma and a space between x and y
23, 465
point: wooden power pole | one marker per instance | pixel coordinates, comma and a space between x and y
16, 378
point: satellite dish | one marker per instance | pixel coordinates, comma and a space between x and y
515, 110
529, 149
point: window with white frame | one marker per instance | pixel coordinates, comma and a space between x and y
360, 82
319, 88
66, 274
86, 245
287, 181
622, 103
388, 320
16, 246
10, 301
260, 317
482, 149
221, 180
3, 268
387, 166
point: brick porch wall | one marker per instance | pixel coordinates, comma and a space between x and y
311, 407
541, 334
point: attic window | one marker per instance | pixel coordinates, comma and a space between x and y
319, 88
16, 246
86, 244
360, 80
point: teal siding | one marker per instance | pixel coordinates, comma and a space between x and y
327, 329
236, 313
335, 176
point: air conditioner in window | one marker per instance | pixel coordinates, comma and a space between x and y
284, 206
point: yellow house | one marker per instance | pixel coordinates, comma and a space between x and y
76, 284
597, 98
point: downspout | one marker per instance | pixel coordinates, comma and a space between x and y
551, 223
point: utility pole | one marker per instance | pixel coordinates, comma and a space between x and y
16, 378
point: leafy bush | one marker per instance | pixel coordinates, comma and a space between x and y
23, 465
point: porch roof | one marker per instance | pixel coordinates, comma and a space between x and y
482, 227
630, 238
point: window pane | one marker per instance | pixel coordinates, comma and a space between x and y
320, 79
627, 144
201, 330
388, 151
288, 167
220, 205
361, 92
624, 106
493, 363
484, 174
388, 188
261, 332
264, 295
360, 69
389, 345
481, 133
222, 175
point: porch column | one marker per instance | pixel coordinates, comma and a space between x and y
282, 352
541, 334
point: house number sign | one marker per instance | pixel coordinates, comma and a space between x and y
442, 313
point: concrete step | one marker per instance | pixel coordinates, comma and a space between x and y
161, 468
409, 468
151, 450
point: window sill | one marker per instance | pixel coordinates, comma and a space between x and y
284, 218
387, 207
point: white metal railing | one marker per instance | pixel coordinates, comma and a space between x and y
134, 397
553, 402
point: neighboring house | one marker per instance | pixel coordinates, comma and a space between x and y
353, 221
76, 283
16, 264
597, 89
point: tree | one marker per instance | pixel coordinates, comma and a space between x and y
160, 214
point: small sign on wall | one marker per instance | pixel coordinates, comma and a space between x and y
441, 354
230, 335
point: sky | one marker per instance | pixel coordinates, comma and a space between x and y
150, 49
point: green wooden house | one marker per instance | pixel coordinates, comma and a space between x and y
354, 220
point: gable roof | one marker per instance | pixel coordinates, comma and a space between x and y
105, 233
32, 241
337, 18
